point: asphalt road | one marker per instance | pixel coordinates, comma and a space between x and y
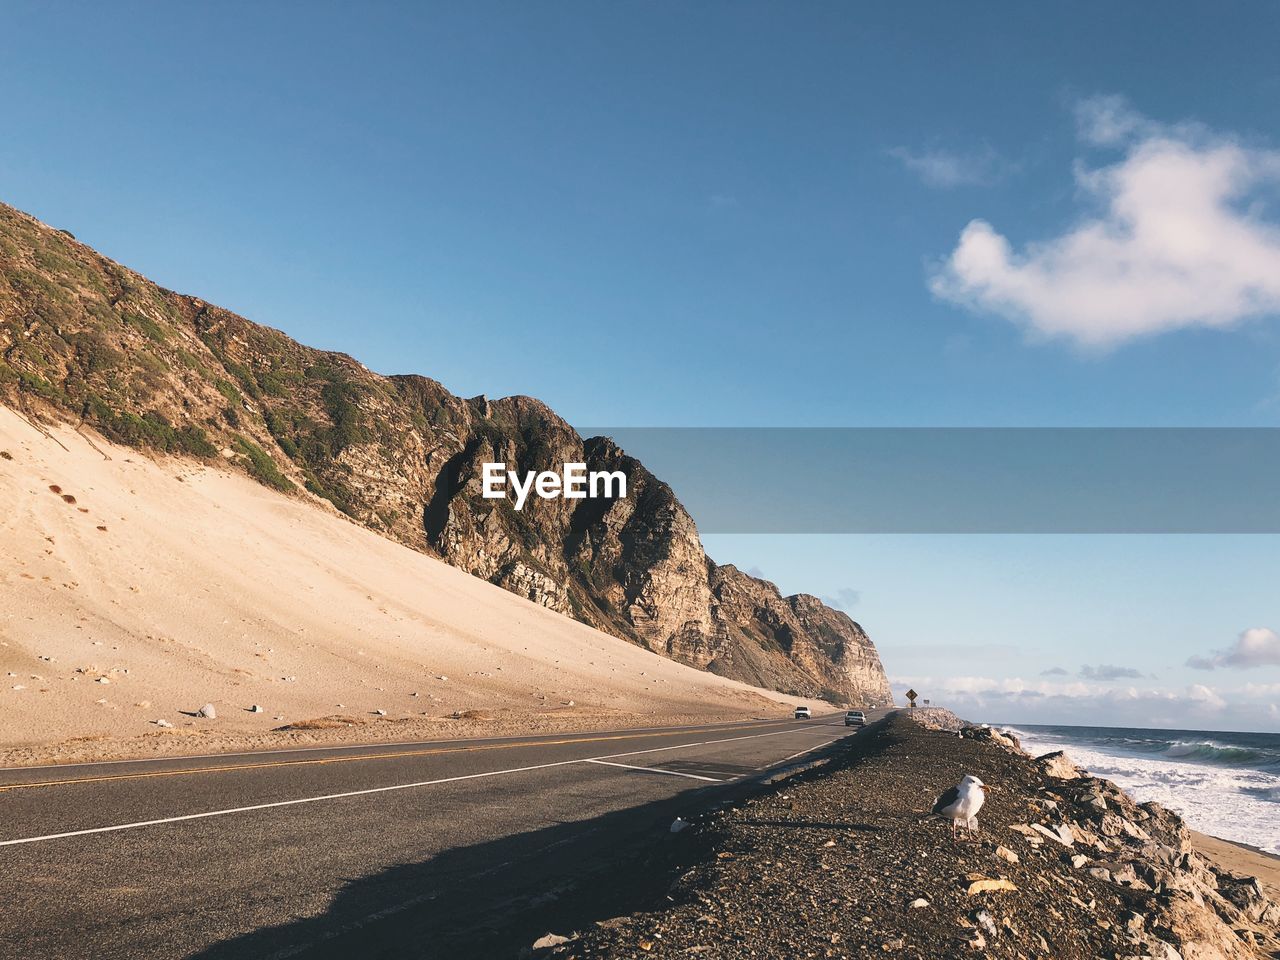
469, 848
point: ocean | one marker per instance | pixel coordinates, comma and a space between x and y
1224, 784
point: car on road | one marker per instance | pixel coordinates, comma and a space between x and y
855, 718
802, 713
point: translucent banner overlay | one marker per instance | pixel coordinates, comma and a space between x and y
962, 480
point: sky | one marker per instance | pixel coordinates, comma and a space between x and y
746, 214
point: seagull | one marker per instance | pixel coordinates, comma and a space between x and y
961, 803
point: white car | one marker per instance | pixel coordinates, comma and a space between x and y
855, 718
802, 713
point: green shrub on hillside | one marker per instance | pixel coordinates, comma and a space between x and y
228, 390
34, 383
261, 466
149, 328
151, 429
336, 494
193, 362
95, 352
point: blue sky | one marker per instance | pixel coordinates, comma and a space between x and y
734, 214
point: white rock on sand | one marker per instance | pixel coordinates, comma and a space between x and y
194, 580
549, 941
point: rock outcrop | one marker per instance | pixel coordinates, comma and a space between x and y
88, 341
754, 623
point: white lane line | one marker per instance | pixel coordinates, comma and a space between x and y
700, 743
810, 749
366, 792
281, 803
670, 773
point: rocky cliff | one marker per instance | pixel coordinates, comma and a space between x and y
86, 340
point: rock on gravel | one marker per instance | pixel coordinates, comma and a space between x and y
1058, 765
989, 885
936, 718
550, 940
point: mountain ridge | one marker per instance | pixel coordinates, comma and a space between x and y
88, 341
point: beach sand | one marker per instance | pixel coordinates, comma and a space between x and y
1241, 858
137, 590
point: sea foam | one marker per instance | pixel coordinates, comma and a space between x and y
1208, 783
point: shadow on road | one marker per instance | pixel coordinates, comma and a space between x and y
494, 898
491, 899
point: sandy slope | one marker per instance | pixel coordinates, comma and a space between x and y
206, 587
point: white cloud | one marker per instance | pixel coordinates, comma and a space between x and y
1107, 671
1110, 120
845, 599
1198, 693
1256, 647
1176, 240
1017, 700
944, 168
979, 689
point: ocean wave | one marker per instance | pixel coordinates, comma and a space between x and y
1255, 752
1218, 753
1269, 794
1222, 797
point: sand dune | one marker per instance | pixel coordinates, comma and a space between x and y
136, 590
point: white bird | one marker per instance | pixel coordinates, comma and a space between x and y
961, 803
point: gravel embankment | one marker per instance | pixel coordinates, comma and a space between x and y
837, 863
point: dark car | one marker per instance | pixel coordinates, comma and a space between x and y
855, 718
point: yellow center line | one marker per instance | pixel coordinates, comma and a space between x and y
188, 771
